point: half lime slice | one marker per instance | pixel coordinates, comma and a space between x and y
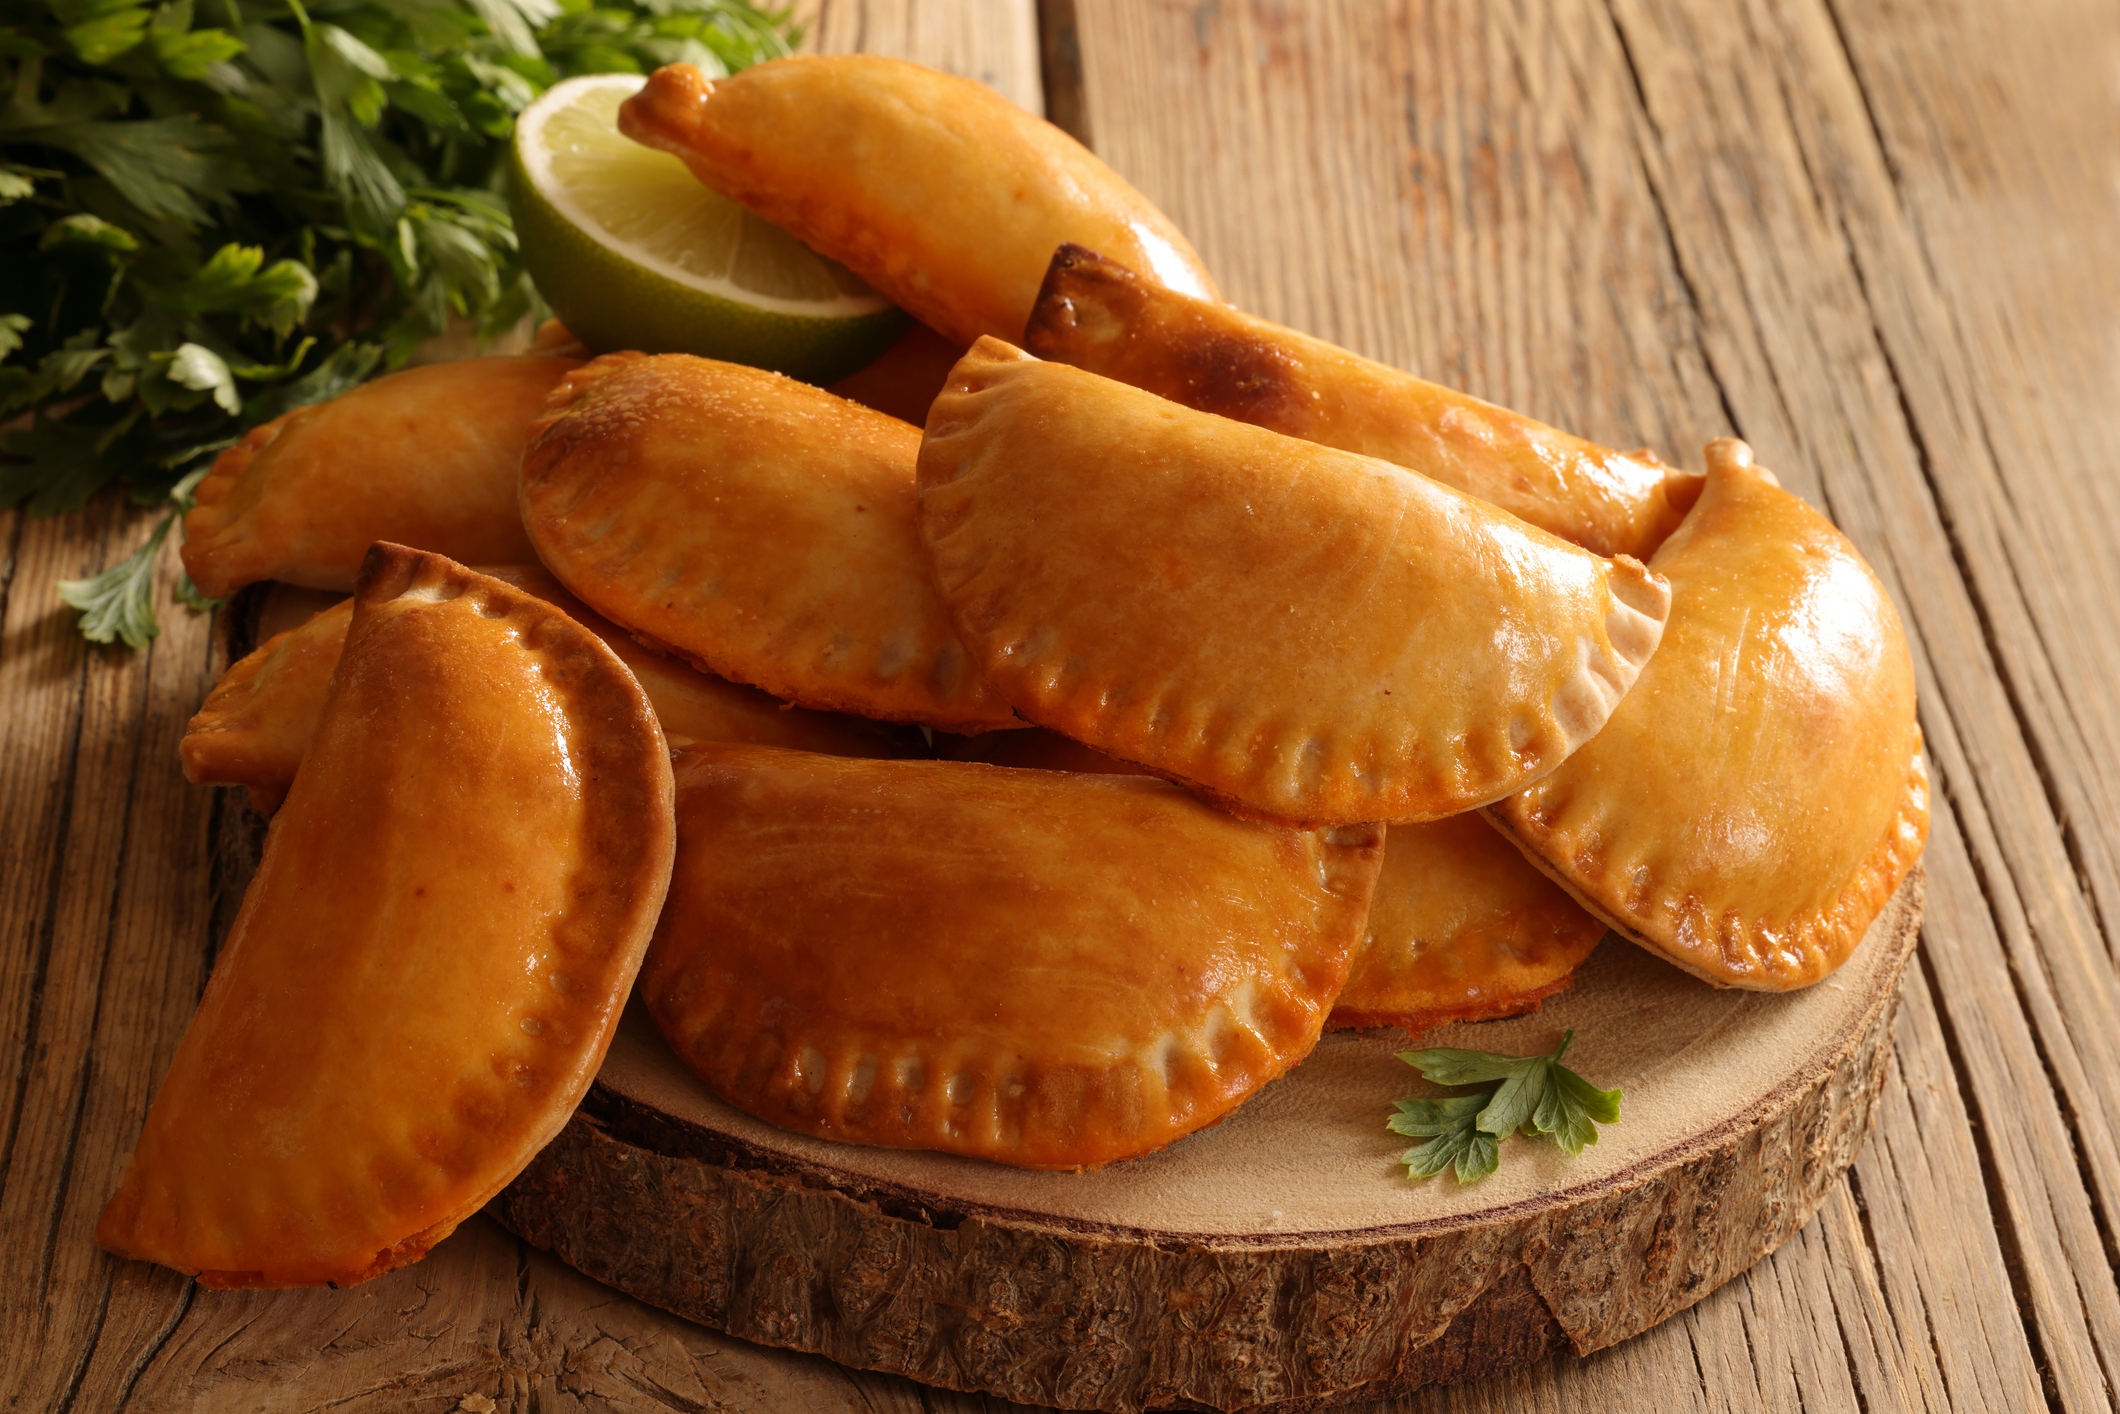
633, 252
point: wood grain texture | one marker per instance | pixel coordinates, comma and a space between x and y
1872, 237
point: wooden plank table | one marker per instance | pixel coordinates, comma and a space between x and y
1873, 238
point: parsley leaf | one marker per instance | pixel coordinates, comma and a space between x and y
213, 211
119, 603
1455, 1138
1529, 1094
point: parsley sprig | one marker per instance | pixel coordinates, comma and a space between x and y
1532, 1094
214, 211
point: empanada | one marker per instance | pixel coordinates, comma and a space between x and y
942, 194
1299, 632
1758, 796
1096, 314
426, 457
758, 526
1049, 970
1461, 927
428, 967
256, 724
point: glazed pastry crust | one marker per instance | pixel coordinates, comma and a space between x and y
1762, 791
1300, 633
427, 969
1044, 969
760, 527
1097, 315
1461, 928
939, 192
257, 722
426, 457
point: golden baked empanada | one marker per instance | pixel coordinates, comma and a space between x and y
1758, 796
426, 457
256, 724
1049, 970
758, 526
1297, 631
428, 966
942, 194
1096, 314
1461, 928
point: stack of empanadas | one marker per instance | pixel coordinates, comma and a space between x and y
1046, 778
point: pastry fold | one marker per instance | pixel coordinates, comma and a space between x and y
1461, 928
1298, 632
1761, 792
1097, 315
257, 722
759, 527
1044, 969
427, 969
426, 457
939, 192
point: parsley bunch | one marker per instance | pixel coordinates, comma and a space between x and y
213, 211
1534, 1094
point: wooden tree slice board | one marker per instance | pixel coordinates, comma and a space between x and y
1279, 1260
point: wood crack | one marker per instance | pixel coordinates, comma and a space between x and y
47, 930
1668, 229
80, 1370
1869, 105
147, 1355
1876, 1255
2071, 840
1847, 1352
1999, 1205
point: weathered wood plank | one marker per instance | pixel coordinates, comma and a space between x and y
994, 41
1562, 182
1823, 326
117, 931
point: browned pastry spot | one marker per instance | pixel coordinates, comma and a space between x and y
1097, 315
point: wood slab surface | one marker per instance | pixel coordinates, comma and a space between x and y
1873, 238
1279, 1260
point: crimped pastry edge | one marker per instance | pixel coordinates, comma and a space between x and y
541, 457
1345, 860
1638, 604
1860, 899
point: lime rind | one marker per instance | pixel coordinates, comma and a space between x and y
633, 252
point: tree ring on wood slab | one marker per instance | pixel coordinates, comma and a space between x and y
1280, 1260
